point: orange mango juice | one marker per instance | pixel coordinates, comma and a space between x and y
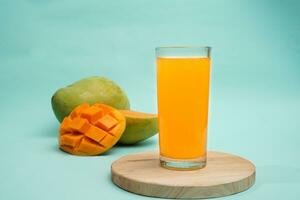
183, 95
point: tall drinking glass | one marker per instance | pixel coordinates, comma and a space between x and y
183, 75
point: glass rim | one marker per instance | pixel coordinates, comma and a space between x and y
184, 47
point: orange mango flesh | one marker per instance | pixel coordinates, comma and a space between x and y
136, 114
91, 130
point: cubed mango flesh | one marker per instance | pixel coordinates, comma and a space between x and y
91, 130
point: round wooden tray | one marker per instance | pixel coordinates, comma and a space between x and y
224, 174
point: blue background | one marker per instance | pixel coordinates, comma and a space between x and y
47, 44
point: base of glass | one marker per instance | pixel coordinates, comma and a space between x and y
183, 164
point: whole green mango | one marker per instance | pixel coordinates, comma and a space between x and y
89, 90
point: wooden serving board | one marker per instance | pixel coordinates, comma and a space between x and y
224, 174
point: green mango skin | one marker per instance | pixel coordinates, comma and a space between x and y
138, 129
89, 90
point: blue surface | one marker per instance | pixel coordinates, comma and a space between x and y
255, 93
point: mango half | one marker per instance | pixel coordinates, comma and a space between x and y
139, 127
89, 90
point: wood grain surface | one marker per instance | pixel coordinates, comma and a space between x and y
225, 174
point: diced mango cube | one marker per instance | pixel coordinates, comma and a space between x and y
89, 147
117, 130
108, 140
77, 111
95, 133
106, 122
65, 126
79, 124
70, 139
92, 113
